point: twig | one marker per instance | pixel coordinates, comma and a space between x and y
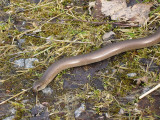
15, 96
30, 30
121, 24
2, 81
150, 91
55, 40
51, 19
39, 6
21, 34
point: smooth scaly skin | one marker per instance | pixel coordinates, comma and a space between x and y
95, 56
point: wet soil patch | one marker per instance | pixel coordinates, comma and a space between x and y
86, 74
150, 105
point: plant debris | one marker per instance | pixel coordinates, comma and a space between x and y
49, 30
118, 10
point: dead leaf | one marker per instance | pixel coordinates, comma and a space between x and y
111, 7
118, 10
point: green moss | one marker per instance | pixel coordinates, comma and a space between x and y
70, 37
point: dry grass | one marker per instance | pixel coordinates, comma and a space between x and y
70, 36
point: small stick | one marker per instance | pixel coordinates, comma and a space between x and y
148, 92
23, 91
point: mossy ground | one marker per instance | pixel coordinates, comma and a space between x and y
70, 38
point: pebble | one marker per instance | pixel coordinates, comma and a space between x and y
108, 35
9, 118
26, 63
131, 74
79, 110
47, 91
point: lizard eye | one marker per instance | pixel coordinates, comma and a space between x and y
36, 88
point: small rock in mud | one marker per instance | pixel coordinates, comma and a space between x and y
131, 74
78, 111
108, 35
40, 112
26, 63
47, 91
9, 118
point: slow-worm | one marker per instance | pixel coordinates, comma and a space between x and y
95, 56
